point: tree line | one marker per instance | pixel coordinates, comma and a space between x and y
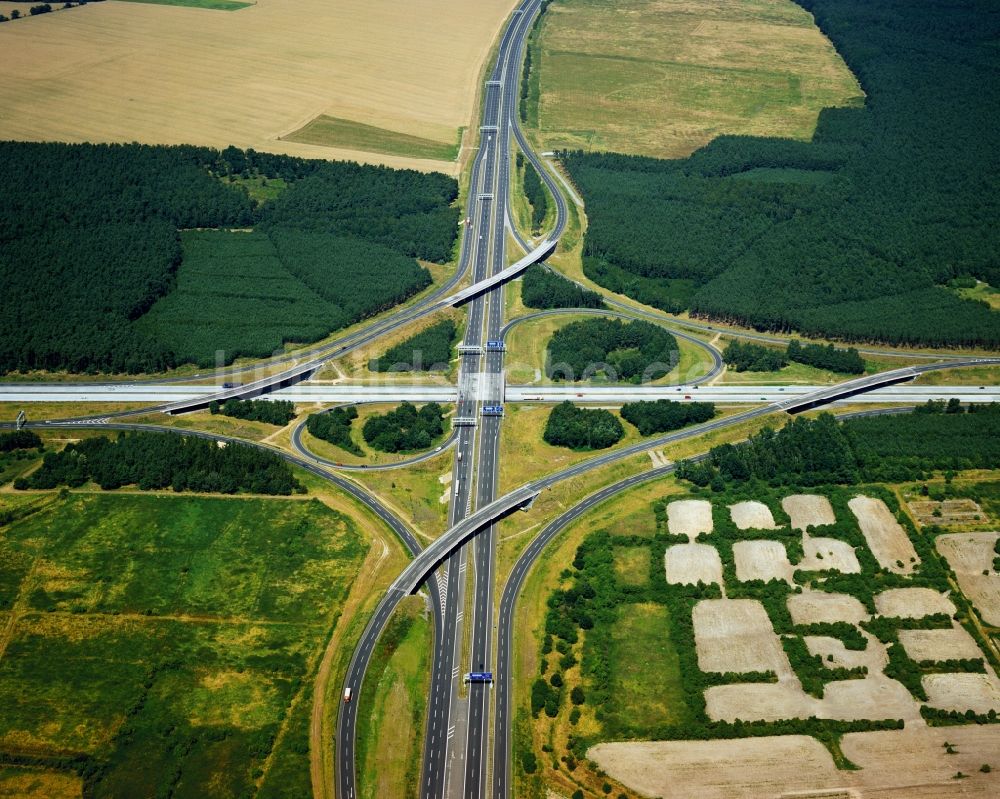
334, 426
906, 203
19, 439
626, 351
535, 192
747, 357
90, 243
662, 416
154, 461
884, 448
543, 288
279, 412
582, 429
428, 350
405, 428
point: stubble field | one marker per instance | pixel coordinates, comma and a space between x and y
663, 77
167, 75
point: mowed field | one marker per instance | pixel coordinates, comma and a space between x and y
120, 71
164, 644
663, 77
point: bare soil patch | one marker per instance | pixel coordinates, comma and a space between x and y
761, 560
758, 702
886, 538
949, 512
939, 644
170, 75
818, 607
874, 657
808, 510
820, 554
689, 517
912, 603
970, 554
752, 516
875, 697
894, 764
736, 635
744, 769
693, 563
961, 692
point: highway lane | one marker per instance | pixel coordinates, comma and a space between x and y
299, 446
347, 719
608, 393
448, 719
511, 592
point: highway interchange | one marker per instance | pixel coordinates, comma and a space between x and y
464, 753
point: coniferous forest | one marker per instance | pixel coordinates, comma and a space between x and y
890, 448
628, 351
93, 237
543, 288
853, 235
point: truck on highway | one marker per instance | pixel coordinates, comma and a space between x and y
347, 694
459, 457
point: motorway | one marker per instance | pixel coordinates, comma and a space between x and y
606, 394
457, 757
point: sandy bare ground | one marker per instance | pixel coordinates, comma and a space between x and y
970, 554
816, 607
961, 692
875, 697
752, 516
952, 511
759, 702
886, 538
912, 603
689, 517
736, 635
168, 75
808, 510
821, 554
693, 563
895, 764
874, 657
939, 644
761, 560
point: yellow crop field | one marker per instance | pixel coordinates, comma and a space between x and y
121, 71
664, 77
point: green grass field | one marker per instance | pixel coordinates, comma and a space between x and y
165, 639
390, 738
663, 77
328, 131
215, 5
642, 647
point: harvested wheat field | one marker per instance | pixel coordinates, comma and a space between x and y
951, 644
895, 764
761, 560
759, 702
167, 74
912, 603
808, 510
736, 635
692, 564
979, 693
875, 697
689, 517
822, 554
752, 516
886, 538
950, 511
970, 554
819, 607
874, 657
